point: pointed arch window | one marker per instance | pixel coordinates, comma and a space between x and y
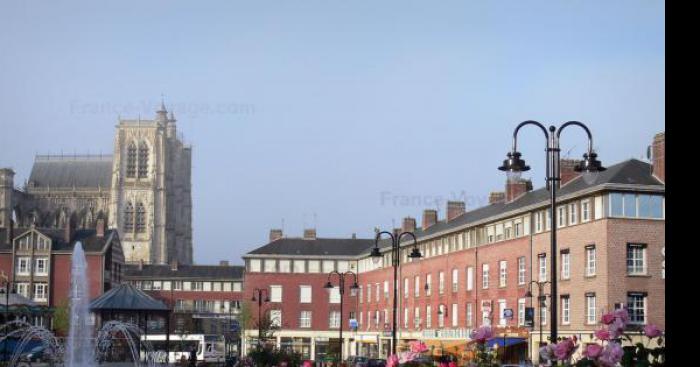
143, 160
129, 218
140, 218
131, 161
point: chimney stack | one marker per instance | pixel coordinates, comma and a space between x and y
429, 218
566, 170
515, 189
7, 187
408, 224
354, 236
658, 156
275, 234
455, 209
223, 263
173, 265
497, 197
310, 234
100, 227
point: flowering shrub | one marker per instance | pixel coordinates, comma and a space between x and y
610, 352
483, 357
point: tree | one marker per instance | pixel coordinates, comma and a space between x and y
61, 318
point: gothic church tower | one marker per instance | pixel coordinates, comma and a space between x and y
150, 201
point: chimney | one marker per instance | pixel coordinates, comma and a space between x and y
566, 170
515, 189
100, 227
173, 265
408, 224
455, 209
310, 234
223, 263
275, 234
429, 218
141, 265
7, 187
658, 156
354, 236
497, 197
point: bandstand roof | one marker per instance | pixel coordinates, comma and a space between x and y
126, 297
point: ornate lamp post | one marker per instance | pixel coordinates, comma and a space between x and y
396, 261
514, 166
541, 298
341, 289
259, 292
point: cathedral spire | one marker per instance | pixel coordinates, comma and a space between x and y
162, 113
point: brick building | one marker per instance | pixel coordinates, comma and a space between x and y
480, 262
37, 261
205, 299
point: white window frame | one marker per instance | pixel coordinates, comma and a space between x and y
566, 265
44, 268
585, 210
573, 213
633, 307
639, 254
305, 294
470, 278
521, 311
24, 265
565, 310
275, 293
522, 269
455, 280
591, 311
334, 295
542, 266
590, 268
485, 276
502, 273
305, 319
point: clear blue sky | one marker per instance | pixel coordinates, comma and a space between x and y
361, 112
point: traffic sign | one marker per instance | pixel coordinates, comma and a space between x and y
508, 313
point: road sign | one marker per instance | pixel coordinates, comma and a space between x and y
529, 316
508, 313
353, 323
235, 326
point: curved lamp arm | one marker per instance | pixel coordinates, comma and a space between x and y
584, 127
528, 122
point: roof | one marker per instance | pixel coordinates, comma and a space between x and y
128, 298
184, 271
88, 237
317, 247
91, 171
629, 172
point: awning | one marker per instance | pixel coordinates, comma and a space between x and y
441, 347
508, 342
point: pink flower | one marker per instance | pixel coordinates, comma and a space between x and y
611, 355
621, 313
418, 347
452, 364
652, 331
602, 334
608, 319
593, 351
564, 349
392, 361
616, 328
482, 334
307, 364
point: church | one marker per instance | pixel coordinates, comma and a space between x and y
143, 191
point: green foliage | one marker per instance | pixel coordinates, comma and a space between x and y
61, 318
267, 356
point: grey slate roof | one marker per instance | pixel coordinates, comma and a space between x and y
127, 297
629, 172
317, 247
88, 237
69, 171
184, 271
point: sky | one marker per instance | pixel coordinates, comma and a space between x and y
338, 115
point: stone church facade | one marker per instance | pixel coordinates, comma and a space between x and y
143, 190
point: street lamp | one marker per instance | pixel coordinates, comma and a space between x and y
513, 165
541, 298
341, 288
395, 260
259, 299
7, 285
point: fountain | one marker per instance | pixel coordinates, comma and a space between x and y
82, 349
79, 348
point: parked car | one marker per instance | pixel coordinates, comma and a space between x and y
357, 361
376, 363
